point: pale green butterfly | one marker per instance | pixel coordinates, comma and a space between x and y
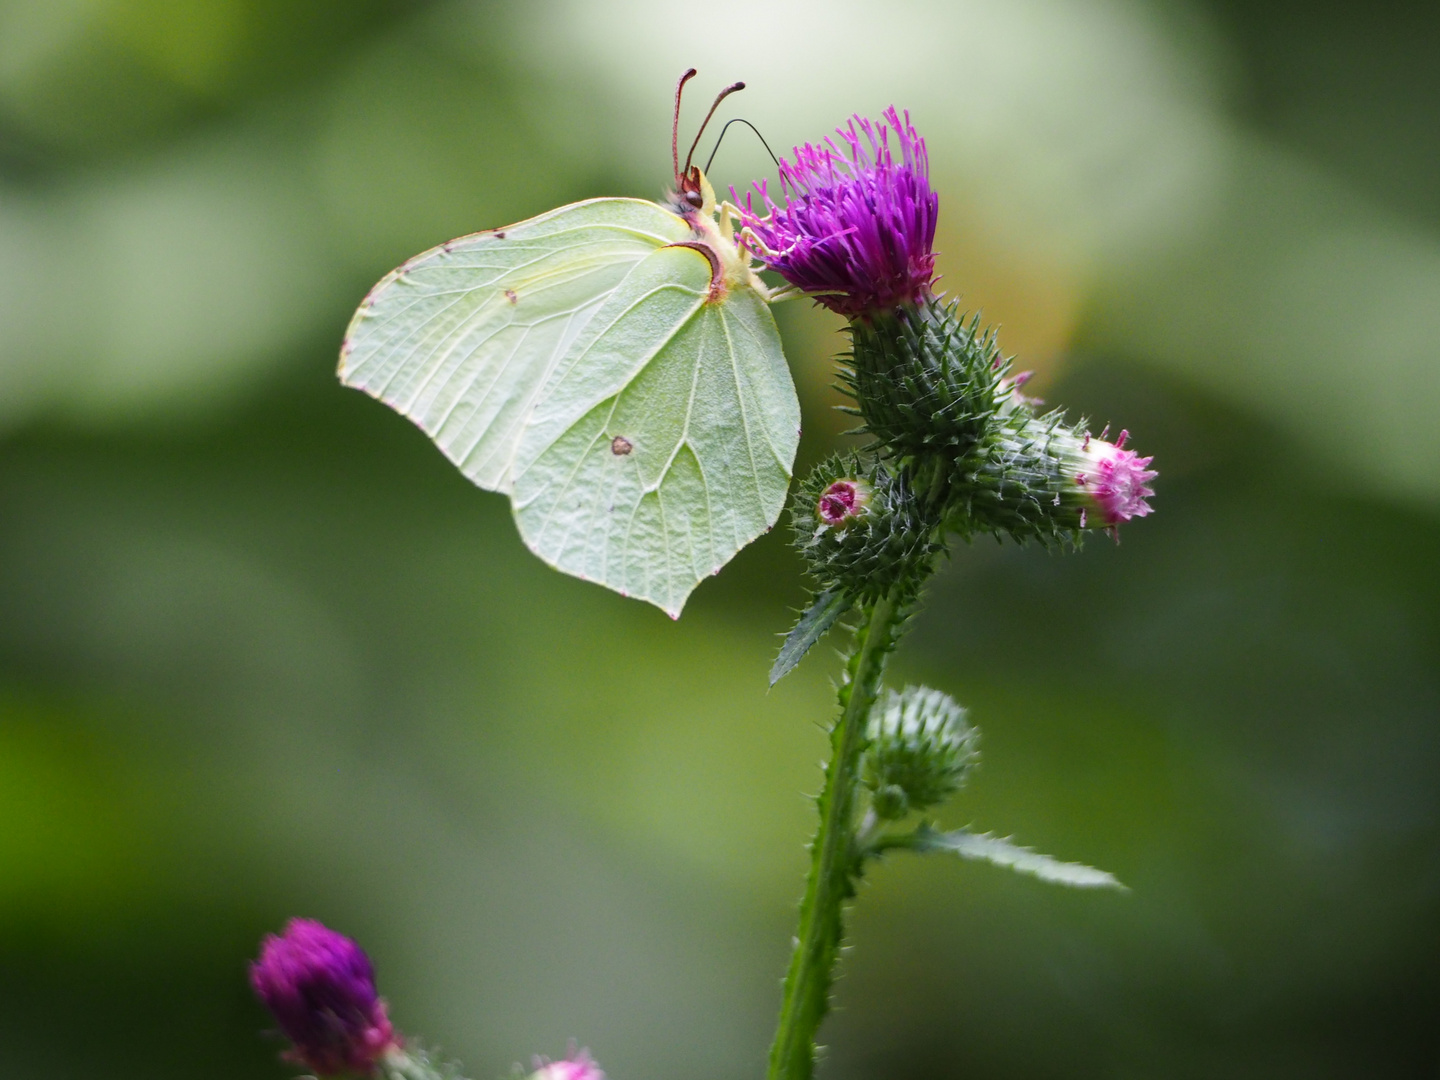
612, 366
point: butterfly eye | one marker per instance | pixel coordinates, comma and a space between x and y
695, 199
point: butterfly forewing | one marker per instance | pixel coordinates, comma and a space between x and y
464, 338
663, 443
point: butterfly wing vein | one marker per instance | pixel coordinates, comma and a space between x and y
700, 395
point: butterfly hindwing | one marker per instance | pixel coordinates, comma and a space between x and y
664, 440
464, 338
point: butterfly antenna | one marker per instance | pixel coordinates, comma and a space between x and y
718, 98
752, 127
675, 126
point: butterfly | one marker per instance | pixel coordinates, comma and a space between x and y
612, 366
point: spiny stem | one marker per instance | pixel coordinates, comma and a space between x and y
402, 1065
833, 854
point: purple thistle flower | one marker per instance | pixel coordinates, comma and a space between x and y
320, 987
857, 225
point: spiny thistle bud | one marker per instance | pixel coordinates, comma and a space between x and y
921, 750
578, 1066
925, 380
1038, 478
320, 987
861, 528
857, 226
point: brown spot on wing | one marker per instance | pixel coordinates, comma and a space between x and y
620, 446
510, 295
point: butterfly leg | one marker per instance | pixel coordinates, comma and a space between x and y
729, 214
754, 243
787, 292
748, 244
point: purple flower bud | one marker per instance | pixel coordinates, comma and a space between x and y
1116, 480
578, 1066
842, 501
320, 987
857, 225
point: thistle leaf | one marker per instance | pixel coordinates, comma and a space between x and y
814, 622
1002, 852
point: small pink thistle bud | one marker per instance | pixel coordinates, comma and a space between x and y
320, 987
578, 1066
1045, 480
842, 502
1116, 480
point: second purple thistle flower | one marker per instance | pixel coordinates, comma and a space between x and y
320, 987
858, 223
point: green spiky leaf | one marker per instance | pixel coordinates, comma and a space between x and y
814, 623
1003, 852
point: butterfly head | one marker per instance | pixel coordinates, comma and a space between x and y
694, 195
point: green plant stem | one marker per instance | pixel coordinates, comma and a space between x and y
834, 857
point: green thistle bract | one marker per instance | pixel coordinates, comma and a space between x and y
926, 380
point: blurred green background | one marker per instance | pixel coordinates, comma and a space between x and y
264, 652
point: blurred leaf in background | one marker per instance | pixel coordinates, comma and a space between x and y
263, 653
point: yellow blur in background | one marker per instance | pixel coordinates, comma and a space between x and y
263, 652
